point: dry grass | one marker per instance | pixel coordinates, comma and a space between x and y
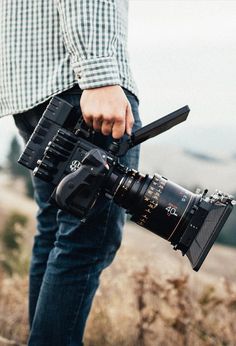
13, 310
163, 312
137, 309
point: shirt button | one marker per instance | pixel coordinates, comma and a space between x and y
78, 76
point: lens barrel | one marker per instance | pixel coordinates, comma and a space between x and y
155, 203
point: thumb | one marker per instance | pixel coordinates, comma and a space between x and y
129, 119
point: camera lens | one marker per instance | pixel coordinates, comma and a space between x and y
154, 202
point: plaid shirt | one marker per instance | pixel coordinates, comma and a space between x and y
47, 46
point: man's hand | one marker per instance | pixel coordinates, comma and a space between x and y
108, 110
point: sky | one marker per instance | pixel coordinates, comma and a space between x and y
184, 52
181, 52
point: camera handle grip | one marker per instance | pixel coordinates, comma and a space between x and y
78, 191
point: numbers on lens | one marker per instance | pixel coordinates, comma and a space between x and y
171, 211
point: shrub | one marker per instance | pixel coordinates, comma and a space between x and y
11, 243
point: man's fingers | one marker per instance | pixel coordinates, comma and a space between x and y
106, 127
108, 110
129, 119
115, 125
118, 128
88, 120
97, 123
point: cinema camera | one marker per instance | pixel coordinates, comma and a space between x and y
61, 151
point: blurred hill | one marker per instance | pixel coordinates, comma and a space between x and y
190, 168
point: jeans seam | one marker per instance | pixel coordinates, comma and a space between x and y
88, 276
79, 307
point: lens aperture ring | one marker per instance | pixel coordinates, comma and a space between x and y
151, 199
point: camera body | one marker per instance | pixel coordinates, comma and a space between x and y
62, 151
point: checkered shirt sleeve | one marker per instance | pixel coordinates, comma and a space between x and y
90, 33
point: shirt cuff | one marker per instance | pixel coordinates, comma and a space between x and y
97, 72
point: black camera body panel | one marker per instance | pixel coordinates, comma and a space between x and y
58, 161
52, 120
62, 151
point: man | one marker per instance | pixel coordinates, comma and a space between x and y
77, 49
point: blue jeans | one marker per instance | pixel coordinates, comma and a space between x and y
68, 256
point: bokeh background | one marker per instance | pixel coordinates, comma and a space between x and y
182, 52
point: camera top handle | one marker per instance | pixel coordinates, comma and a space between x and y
153, 129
